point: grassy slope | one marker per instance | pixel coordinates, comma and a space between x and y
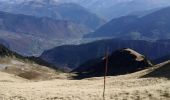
31, 68
127, 87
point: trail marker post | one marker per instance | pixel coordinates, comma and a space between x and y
105, 74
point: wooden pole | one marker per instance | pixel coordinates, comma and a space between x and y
105, 74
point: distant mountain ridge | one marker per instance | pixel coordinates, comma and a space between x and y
19, 30
22, 24
35, 21
114, 28
162, 59
55, 10
110, 9
73, 56
152, 26
107, 9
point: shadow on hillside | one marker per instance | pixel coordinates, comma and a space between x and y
163, 71
99, 71
80, 76
83, 75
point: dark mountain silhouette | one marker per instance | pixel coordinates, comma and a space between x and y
152, 26
162, 59
6, 52
119, 62
73, 56
165, 57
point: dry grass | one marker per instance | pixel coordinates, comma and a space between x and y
29, 70
88, 89
124, 87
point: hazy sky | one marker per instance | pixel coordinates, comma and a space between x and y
100, 1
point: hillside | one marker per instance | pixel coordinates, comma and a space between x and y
29, 68
130, 86
120, 62
152, 26
5, 77
74, 55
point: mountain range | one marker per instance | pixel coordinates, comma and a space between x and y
35, 26
106, 9
55, 10
73, 56
64, 22
18, 30
110, 9
35, 21
162, 59
152, 26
